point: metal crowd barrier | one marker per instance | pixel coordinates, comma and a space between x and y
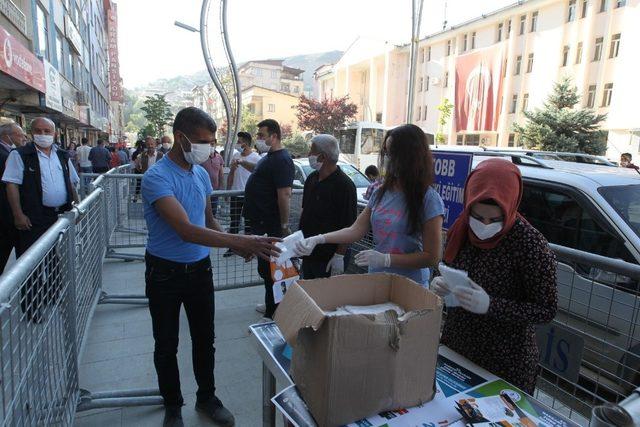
48, 297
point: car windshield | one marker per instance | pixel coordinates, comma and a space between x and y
347, 139
356, 176
625, 199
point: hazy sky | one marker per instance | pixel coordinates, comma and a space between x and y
151, 47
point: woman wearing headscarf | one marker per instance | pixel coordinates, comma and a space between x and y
512, 274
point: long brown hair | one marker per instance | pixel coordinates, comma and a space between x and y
410, 168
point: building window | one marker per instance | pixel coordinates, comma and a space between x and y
472, 140
258, 72
591, 96
420, 83
579, 53
446, 79
514, 104
271, 108
296, 89
70, 62
464, 43
422, 56
429, 53
525, 102
530, 63
565, 56
621, 3
512, 140
585, 3
534, 22
615, 46
459, 139
523, 23
473, 40
499, 33
518, 65
604, 5
59, 58
571, 15
509, 28
274, 74
448, 47
43, 44
424, 113
419, 114
606, 96
427, 84
504, 68
597, 52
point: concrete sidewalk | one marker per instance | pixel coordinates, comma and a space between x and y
119, 354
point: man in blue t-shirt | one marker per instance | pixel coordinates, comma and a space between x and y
267, 196
177, 208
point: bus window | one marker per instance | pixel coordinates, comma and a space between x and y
371, 141
348, 141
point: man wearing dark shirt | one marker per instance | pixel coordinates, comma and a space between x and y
329, 204
267, 197
100, 158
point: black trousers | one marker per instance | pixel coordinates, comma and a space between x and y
101, 169
37, 292
236, 205
314, 269
170, 285
264, 268
8, 241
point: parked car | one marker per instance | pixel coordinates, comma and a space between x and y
557, 155
595, 209
303, 170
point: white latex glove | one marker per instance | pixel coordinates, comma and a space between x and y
475, 300
336, 265
373, 259
306, 246
440, 287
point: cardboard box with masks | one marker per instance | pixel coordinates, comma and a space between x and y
349, 366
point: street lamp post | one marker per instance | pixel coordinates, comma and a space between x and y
416, 15
232, 128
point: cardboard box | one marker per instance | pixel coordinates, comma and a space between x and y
350, 367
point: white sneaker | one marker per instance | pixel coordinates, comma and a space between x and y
261, 308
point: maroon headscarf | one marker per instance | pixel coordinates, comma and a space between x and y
495, 179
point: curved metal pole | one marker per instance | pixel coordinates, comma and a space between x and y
416, 10
236, 81
204, 41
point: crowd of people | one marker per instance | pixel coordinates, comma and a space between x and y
511, 269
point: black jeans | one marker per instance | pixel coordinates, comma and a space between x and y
236, 205
168, 286
100, 169
314, 269
264, 267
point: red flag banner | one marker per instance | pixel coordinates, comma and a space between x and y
479, 90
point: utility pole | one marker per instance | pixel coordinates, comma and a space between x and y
416, 15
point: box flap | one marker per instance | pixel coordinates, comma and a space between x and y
297, 311
349, 289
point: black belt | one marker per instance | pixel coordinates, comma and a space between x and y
55, 211
161, 264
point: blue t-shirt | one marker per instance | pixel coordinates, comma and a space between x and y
389, 220
191, 189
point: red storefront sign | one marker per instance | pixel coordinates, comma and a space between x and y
115, 82
479, 90
18, 62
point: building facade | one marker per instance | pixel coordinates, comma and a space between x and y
271, 104
495, 67
57, 65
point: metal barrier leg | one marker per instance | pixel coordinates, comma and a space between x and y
123, 299
268, 391
118, 399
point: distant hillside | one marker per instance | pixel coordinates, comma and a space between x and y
309, 63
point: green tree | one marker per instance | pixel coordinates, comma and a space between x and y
158, 113
445, 108
560, 126
296, 145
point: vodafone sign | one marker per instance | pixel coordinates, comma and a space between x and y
18, 62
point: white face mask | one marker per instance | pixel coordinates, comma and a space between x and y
166, 145
213, 150
199, 153
314, 163
239, 148
43, 141
484, 231
262, 146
